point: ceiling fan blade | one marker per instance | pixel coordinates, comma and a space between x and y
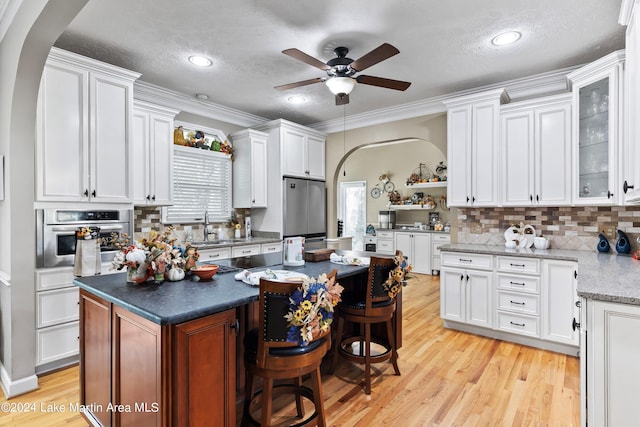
301, 56
382, 82
342, 99
379, 54
298, 84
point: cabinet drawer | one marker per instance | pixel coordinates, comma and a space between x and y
384, 246
520, 283
518, 264
467, 260
57, 306
385, 234
268, 248
442, 238
57, 342
435, 250
54, 278
519, 324
240, 251
215, 254
519, 302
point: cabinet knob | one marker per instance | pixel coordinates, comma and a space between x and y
153, 197
467, 199
531, 197
575, 325
626, 187
235, 325
148, 197
578, 304
86, 193
609, 194
93, 193
537, 197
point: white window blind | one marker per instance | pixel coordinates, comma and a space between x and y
201, 182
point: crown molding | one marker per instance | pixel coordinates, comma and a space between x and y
158, 95
543, 84
8, 10
626, 11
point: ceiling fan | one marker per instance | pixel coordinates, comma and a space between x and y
341, 71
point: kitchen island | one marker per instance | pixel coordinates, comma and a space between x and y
161, 355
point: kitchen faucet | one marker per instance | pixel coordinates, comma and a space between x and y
206, 227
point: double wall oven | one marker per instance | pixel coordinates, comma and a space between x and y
56, 233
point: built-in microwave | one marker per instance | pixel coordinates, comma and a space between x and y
56, 233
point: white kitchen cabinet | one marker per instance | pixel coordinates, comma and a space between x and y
518, 295
249, 169
214, 254
473, 129
559, 293
465, 296
417, 247
242, 251
611, 339
437, 240
83, 131
597, 129
152, 173
630, 16
385, 242
535, 146
268, 248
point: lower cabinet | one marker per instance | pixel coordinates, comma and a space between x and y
521, 299
466, 294
611, 343
437, 240
417, 247
136, 372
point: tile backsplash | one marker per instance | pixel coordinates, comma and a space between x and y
566, 227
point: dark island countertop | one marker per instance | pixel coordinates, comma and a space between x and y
176, 302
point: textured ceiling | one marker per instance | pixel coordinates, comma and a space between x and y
444, 46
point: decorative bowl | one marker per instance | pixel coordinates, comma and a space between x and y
205, 272
541, 243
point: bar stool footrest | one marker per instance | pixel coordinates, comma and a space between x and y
360, 358
302, 391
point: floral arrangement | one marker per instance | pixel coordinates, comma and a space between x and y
149, 258
397, 276
311, 308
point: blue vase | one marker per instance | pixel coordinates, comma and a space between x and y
603, 244
622, 245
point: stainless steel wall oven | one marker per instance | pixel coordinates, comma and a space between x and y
56, 233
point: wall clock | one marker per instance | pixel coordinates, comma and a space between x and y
389, 187
375, 192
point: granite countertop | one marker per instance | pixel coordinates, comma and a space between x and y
177, 302
601, 276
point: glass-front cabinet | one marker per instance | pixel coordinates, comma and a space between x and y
597, 130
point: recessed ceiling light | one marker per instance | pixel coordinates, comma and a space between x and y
202, 96
200, 61
296, 99
506, 38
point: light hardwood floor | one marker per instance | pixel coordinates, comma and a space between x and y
449, 378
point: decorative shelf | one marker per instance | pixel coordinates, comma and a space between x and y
439, 184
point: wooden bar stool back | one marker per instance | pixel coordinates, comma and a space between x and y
269, 356
374, 306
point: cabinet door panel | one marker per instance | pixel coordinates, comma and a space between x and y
459, 156
517, 158
553, 155
259, 173
140, 153
421, 253
559, 295
484, 151
478, 298
62, 134
161, 168
315, 157
111, 103
293, 153
452, 288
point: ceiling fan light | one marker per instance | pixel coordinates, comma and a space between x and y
338, 85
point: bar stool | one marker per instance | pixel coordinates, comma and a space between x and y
268, 355
373, 306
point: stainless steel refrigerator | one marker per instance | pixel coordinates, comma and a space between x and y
305, 206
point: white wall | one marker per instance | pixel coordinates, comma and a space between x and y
23, 52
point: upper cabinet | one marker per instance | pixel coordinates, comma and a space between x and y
302, 149
83, 131
472, 148
249, 169
152, 172
630, 179
597, 129
535, 147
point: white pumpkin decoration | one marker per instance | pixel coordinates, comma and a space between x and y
176, 274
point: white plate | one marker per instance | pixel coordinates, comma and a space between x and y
253, 279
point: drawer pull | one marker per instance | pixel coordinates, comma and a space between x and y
465, 260
517, 283
516, 302
214, 256
517, 324
246, 252
517, 265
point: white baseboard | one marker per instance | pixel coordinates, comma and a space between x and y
14, 388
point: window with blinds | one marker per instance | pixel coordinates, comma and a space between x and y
201, 182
